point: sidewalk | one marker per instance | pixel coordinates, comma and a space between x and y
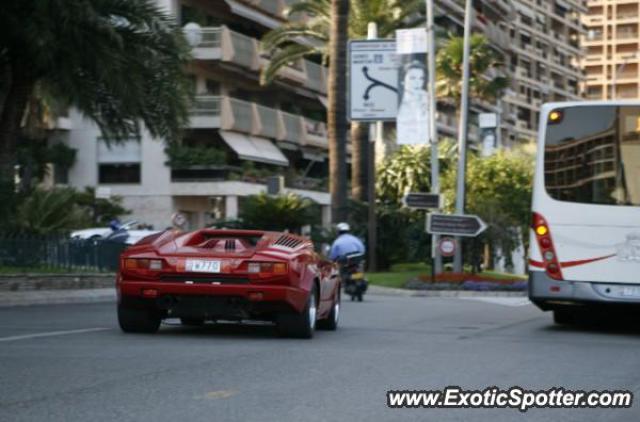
53, 297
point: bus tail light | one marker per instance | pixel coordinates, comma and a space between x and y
545, 243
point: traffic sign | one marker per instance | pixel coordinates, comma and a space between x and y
373, 80
455, 225
447, 246
420, 200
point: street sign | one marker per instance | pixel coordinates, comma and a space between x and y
423, 201
447, 246
455, 225
373, 80
412, 40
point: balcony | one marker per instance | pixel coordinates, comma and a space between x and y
232, 114
222, 44
627, 35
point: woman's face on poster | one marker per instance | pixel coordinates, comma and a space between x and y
414, 79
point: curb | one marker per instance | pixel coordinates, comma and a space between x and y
108, 295
390, 291
57, 297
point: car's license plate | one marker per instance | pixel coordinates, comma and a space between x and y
202, 266
357, 276
631, 291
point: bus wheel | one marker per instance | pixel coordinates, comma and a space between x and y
563, 317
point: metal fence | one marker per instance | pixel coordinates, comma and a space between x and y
59, 252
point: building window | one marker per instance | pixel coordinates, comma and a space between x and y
118, 173
60, 175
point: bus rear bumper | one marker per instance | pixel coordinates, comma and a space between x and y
549, 294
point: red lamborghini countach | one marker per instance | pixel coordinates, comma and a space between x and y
211, 275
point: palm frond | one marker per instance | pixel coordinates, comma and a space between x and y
284, 57
311, 7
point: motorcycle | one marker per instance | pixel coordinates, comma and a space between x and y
352, 273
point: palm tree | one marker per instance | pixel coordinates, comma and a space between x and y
482, 60
283, 47
119, 62
337, 116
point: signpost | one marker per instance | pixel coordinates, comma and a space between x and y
422, 201
455, 225
373, 80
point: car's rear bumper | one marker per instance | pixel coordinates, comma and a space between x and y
550, 294
216, 300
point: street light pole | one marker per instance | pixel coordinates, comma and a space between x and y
462, 130
433, 129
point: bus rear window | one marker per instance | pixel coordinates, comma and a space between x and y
592, 155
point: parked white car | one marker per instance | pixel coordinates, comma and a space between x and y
95, 233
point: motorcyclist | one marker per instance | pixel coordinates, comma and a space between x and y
345, 243
348, 251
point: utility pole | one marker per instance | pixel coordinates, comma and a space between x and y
462, 130
436, 257
375, 131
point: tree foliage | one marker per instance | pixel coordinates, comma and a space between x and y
483, 60
282, 212
118, 61
100, 210
50, 211
408, 169
498, 190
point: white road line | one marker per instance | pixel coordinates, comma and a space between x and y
504, 301
51, 334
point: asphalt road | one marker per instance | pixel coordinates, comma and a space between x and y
71, 363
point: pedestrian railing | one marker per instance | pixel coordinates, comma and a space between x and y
59, 253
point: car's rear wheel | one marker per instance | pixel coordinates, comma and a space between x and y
331, 322
300, 325
133, 320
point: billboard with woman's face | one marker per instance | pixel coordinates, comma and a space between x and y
412, 120
413, 103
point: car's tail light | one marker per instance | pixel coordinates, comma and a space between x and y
275, 268
143, 264
545, 243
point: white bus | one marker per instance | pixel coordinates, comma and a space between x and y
585, 234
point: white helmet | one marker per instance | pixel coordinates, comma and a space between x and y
343, 227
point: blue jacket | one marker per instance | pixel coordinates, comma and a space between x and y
345, 244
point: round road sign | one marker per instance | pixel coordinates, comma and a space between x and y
447, 246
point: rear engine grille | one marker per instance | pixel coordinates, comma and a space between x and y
199, 279
287, 241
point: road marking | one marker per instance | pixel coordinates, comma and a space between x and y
220, 394
51, 334
504, 301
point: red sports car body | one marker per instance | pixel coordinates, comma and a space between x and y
209, 275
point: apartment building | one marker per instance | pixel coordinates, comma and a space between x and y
538, 41
612, 45
240, 133
545, 56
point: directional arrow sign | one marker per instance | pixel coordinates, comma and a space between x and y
455, 225
423, 201
373, 80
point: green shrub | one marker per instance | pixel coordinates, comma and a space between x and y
282, 212
181, 156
